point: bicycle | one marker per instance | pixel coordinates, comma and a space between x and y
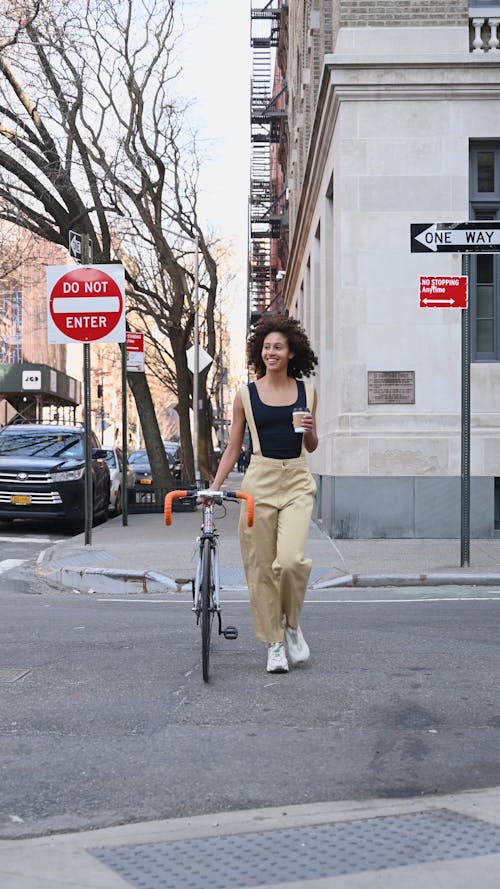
206, 583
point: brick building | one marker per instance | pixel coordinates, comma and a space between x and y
33, 373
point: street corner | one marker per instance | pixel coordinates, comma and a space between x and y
45, 567
323, 578
68, 571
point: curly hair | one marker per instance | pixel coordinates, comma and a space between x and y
304, 360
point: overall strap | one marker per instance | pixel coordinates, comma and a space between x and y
247, 407
309, 387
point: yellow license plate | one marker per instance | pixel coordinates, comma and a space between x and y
20, 499
146, 481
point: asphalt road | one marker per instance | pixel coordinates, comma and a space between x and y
104, 717
20, 545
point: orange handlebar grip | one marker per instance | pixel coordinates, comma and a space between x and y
241, 495
167, 509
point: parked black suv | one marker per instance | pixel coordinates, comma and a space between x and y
42, 472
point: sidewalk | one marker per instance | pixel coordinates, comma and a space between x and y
147, 557
448, 842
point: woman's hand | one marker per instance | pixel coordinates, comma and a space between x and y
309, 425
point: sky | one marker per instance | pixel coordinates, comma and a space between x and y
216, 60
216, 67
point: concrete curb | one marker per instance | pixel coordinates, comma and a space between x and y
432, 579
93, 579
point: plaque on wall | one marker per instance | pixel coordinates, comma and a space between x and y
391, 387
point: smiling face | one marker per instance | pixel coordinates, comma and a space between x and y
276, 352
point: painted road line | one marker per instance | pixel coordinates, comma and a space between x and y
308, 602
8, 564
27, 539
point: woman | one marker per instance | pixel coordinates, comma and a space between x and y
279, 479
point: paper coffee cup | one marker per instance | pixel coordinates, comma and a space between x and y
297, 417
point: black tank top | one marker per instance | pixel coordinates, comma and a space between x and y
274, 425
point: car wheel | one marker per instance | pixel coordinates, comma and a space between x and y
101, 514
77, 526
118, 502
105, 512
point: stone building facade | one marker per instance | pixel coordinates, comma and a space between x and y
393, 120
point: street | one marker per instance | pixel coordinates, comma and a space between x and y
105, 718
20, 544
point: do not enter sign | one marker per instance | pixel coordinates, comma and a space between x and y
86, 304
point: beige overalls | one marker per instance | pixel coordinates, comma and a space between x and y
273, 549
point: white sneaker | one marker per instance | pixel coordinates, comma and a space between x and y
298, 649
276, 658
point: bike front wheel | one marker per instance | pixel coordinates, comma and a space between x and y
207, 608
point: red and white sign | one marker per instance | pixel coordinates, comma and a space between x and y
443, 292
135, 351
86, 304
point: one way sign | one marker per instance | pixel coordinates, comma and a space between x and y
455, 237
75, 243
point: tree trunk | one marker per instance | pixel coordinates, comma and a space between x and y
162, 477
205, 430
184, 395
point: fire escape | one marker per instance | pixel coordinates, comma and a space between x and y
268, 223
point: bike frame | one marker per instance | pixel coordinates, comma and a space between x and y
210, 533
206, 583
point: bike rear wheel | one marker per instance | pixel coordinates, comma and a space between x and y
207, 609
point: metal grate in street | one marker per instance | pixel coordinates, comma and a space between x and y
303, 853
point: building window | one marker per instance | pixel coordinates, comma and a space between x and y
484, 279
485, 172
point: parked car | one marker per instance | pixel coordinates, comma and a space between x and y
114, 459
139, 461
42, 473
173, 450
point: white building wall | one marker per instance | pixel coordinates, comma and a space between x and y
393, 130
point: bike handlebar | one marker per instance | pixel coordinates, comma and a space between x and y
217, 496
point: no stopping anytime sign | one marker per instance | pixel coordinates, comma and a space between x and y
86, 304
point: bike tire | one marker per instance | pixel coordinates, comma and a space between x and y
207, 612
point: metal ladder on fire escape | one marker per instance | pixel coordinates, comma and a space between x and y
264, 213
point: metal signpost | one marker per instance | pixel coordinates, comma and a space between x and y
86, 304
466, 238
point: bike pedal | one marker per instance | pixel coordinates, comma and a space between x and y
230, 633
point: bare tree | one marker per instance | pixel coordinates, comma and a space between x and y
14, 16
91, 136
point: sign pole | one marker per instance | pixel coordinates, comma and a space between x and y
84, 304
465, 471
87, 410
88, 450
123, 349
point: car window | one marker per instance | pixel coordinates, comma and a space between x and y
42, 444
138, 457
111, 459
